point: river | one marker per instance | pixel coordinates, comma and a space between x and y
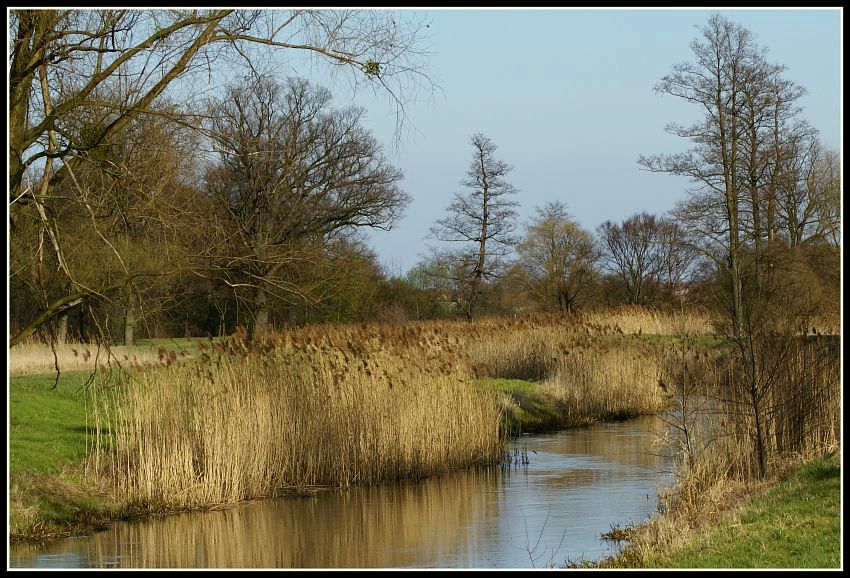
576, 485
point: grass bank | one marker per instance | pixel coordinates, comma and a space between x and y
49, 493
792, 523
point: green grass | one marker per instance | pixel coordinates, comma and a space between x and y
47, 427
794, 525
48, 495
529, 411
510, 386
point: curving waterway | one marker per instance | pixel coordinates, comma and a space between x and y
576, 486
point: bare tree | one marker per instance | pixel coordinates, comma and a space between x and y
483, 219
807, 193
752, 163
767, 108
746, 149
724, 60
558, 257
293, 174
635, 251
108, 67
826, 185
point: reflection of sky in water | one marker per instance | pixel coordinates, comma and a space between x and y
558, 506
577, 485
65, 560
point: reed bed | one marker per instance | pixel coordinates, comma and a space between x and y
635, 319
713, 429
607, 383
826, 325
588, 378
327, 405
799, 405
237, 424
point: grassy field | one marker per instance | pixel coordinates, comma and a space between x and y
794, 524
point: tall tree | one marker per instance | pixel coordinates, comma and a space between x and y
716, 82
110, 67
749, 162
293, 175
746, 146
483, 219
558, 257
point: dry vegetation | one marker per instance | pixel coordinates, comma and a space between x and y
33, 357
326, 405
246, 421
587, 376
356, 404
330, 406
714, 430
633, 319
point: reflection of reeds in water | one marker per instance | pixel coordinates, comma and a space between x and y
514, 458
396, 525
636, 442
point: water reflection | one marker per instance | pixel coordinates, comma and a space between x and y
577, 485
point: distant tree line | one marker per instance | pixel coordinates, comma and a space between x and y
140, 208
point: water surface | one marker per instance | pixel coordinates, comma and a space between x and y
576, 485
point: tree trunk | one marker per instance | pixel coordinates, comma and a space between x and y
130, 319
261, 321
62, 330
760, 445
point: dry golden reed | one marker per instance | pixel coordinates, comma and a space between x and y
638, 319
237, 426
590, 378
327, 405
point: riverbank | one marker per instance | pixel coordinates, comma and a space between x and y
793, 521
377, 402
52, 497
49, 494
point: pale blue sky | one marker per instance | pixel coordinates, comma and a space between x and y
567, 95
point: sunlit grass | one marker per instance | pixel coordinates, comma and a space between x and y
49, 439
38, 358
795, 524
47, 426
